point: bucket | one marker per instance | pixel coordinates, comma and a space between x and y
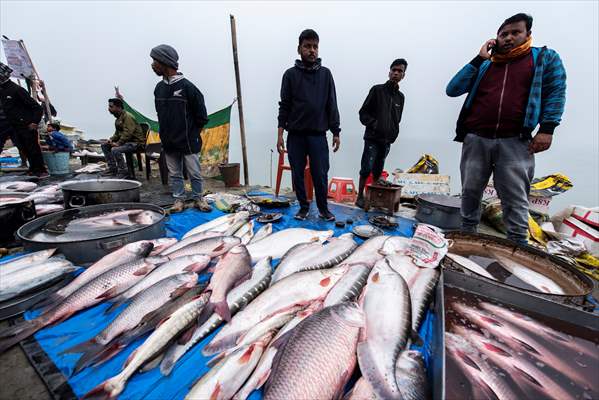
57, 163
230, 173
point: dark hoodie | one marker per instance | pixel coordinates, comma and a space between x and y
308, 103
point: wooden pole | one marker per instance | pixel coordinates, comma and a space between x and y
44, 92
246, 179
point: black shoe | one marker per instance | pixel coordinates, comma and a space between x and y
302, 214
327, 216
360, 202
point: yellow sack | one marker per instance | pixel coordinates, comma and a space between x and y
427, 164
550, 185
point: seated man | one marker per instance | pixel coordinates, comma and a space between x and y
56, 140
127, 137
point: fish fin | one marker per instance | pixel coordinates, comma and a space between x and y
104, 390
96, 355
129, 359
220, 247
222, 309
153, 363
179, 291
14, 334
186, 336
195, 267
205, 314
115, 305
343, 379
222, 345
80, 348
110, 293
216, 359
143, 270
215, 392
281, 340
162, 321
247, 355
416, 339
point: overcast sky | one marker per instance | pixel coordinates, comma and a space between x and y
83, 49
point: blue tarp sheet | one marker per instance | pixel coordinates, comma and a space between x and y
152, 385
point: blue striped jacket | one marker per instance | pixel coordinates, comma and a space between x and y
547, 96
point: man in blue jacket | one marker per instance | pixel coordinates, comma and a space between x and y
307, 110
181, 116
512, 88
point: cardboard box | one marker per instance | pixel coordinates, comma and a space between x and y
537, 204
415, 184
575, 228
587, 215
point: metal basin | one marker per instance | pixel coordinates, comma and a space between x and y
14, 214
90, 250
100, 191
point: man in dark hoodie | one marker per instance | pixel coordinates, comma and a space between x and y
181, 115
381, 115
308, 108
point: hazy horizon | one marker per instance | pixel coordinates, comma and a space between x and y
83, 49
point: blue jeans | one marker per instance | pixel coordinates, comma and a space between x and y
512, 168
114, 155
174, 163
373, 158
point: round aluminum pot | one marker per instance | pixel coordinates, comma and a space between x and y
439, 210
99, 191
86, 251
14, 213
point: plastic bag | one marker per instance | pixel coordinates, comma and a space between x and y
428, 246
550, 185
427, 164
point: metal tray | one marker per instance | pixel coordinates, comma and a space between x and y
15, 306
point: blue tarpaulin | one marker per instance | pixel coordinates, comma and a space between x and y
152, 385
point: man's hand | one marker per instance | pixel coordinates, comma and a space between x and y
336, 143
280, 142
485, 51
541, 142
32, 126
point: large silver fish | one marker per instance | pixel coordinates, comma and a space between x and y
411, 376
263, 232
295, 257
319, 356
104, 286
233, 268
297, 289
226, 377
17, 186
211, 247
170, 268
189, 240
387, 329
160, 338
246, 232
237, 298
350, 286
277, 244
220, 224
368, 253
26, 259
15, 283
22, 267
320, 257
421, 281
469, 265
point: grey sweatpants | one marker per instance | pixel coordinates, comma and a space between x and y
512, 168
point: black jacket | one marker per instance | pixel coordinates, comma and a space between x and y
181, 115
308, 100
381, 113
20, 109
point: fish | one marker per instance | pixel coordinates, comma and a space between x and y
142, 304
44, 198
516, 366
277, 244
246, 232
45, 209
21, 268
470, 265
26, 259
297, 289
237, 299
396, 245
104, 286
295, 257
263, 369
211, 247
361, 391
420, 280
126, 254
533, 278
96, 355
17, 186
22, 281
387, 330
319, 356
226, 219
226, 377
189, 240
263, 232
234, 267
411, 376
113, 220
159, 339
349, 286
161, 245
170, 268
319, 257
368, 253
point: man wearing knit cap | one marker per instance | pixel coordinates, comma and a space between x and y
23, 114
181, 116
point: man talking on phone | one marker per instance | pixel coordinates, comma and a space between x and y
512, 88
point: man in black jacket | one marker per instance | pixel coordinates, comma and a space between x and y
380, 114
23, 113
181, 115
308, 108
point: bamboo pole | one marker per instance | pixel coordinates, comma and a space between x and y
44, 92
246, 179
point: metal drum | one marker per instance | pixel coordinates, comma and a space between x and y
100, 191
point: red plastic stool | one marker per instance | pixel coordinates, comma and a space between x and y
384, 175
307, 176
342, 189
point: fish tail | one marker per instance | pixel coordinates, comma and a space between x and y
220, 345
48, 303
14, 334
114, 306
96, 354
108, 389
